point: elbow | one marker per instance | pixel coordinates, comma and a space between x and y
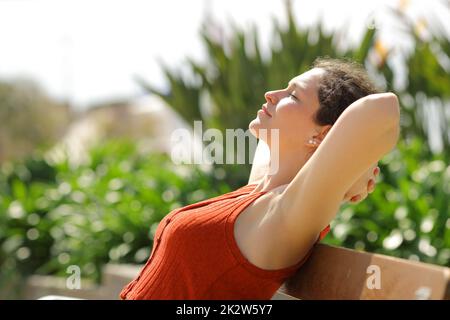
393, 111
389, 104
393, 106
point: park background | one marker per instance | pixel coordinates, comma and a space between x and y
90, 93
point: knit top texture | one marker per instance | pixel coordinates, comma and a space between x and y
195, 256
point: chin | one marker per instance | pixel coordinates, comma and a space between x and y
254, 127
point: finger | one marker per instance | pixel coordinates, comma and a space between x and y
363, 197
358, 198
370, 183
376, 171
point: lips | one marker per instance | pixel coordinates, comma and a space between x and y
265, 111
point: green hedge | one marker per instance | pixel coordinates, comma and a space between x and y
53, 216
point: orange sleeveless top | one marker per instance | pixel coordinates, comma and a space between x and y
195, 256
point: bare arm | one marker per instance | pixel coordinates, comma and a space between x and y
366, 131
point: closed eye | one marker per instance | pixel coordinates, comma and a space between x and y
294, 97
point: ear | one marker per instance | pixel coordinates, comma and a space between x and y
323, 132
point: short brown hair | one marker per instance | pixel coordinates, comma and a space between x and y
344, 82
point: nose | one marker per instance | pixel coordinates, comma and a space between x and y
271, 97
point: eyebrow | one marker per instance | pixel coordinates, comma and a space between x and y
292, 83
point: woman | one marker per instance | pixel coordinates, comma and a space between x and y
333, 127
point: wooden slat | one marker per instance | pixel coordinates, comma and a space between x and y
340, 273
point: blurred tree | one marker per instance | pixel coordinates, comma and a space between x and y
428, 79
29, 119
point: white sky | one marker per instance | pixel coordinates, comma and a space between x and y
87, 51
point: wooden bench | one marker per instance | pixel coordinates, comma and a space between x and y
330, 273
340, 273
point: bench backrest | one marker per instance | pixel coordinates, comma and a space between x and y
340, 273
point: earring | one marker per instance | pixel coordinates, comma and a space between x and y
311, 141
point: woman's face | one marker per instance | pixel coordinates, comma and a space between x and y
290, 110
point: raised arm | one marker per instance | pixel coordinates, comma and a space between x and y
366, 131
